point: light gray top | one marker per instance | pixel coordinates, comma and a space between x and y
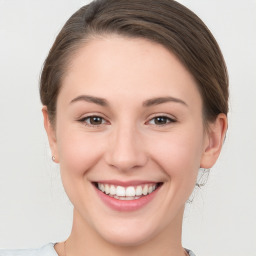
47, 250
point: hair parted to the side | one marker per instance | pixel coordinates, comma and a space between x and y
163, 21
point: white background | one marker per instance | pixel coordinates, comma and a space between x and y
33, 207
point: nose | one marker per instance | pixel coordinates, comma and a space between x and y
125, 149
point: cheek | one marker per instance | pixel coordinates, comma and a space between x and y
179, 154
78, 151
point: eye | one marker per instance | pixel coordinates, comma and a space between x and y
161, 120
93, 120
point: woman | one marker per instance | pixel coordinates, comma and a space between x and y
135, 101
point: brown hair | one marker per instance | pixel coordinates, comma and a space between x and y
163, 21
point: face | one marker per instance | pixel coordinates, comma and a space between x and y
129, 123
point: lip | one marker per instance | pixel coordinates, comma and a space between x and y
125, 205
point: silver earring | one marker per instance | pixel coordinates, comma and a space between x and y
201, 181
53, 158
203, 177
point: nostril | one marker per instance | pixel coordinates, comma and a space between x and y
126, 162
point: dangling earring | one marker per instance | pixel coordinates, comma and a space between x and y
202, 177
53, 158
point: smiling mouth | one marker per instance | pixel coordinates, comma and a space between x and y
129, 192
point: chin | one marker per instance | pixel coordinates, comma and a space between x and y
128, 234
127, 239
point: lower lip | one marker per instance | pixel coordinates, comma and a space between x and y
126, 205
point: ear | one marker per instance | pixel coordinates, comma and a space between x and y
51, 134
213, 141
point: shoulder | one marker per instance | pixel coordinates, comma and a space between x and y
47, 250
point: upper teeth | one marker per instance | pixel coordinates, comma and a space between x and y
127, 191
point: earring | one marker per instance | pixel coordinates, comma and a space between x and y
202, 177
53, 158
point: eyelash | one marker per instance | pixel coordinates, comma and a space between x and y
85, 120
168, 120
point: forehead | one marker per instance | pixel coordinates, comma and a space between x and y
114, 66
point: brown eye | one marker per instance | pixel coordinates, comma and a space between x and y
161, 120
93, 120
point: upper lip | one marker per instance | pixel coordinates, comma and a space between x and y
127, 183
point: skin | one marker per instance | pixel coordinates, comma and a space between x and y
129, 144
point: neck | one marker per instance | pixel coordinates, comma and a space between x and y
84, 240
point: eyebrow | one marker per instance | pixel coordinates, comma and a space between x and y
147, 103
92, 99
160, 100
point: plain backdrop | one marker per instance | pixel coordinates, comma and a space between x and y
34, 209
